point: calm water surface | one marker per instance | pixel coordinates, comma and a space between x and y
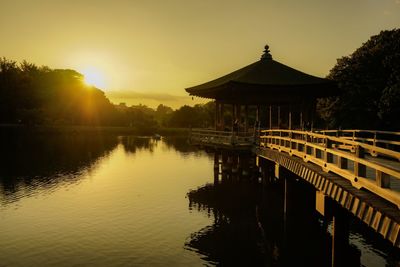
121, 201
99, 202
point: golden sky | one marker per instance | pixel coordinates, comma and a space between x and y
148, 51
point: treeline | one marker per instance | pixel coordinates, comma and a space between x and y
32, 95
141, 116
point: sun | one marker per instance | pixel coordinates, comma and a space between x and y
94, 77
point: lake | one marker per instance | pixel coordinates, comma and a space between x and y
80, 200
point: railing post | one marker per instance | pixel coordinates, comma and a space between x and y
360, 169
305, 144
305, 149
328, 157
342, 163
313, 149
382, 179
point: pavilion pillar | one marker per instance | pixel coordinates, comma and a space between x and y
279, 117
216, 115
269, 111
246, 117
308, 115
238, 115
270, 117
301, 121
221, 118
233, 116
257, 115
290, 118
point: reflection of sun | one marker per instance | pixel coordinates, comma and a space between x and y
93, 77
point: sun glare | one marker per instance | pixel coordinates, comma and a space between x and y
94, 77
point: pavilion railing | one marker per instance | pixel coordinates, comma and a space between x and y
221, 137
367, 162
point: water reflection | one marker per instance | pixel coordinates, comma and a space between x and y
250, 227
44, 161
132, 144
234, 239
124, 196
98, 201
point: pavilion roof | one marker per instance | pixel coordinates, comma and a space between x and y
265, 77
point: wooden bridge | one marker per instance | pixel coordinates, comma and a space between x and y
360, 170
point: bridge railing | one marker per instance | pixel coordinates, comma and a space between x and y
378, 172
221, 137
385, 139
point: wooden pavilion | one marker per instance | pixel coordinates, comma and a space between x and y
287, 95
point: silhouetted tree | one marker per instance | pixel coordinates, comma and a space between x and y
370, 83
40, 95
197, 116
163, 115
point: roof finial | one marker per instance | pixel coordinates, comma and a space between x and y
266, 54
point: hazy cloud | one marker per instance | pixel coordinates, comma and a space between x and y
152, 99
151, 96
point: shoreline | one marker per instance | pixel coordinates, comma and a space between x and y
84, 129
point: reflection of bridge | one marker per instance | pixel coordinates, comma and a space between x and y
360, 170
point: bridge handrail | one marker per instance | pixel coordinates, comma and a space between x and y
321, 149
373, 149
360, 131
374, 137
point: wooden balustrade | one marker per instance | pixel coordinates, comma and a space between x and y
346, 156
385, 139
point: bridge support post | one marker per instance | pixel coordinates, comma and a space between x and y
224, 159
245, 165
229, 162
277, 170
235, 164
340, 237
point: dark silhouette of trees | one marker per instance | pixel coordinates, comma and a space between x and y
33, 95
369, 80
197, 116
40, 95
163, 114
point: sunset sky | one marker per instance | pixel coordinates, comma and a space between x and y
148, 51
